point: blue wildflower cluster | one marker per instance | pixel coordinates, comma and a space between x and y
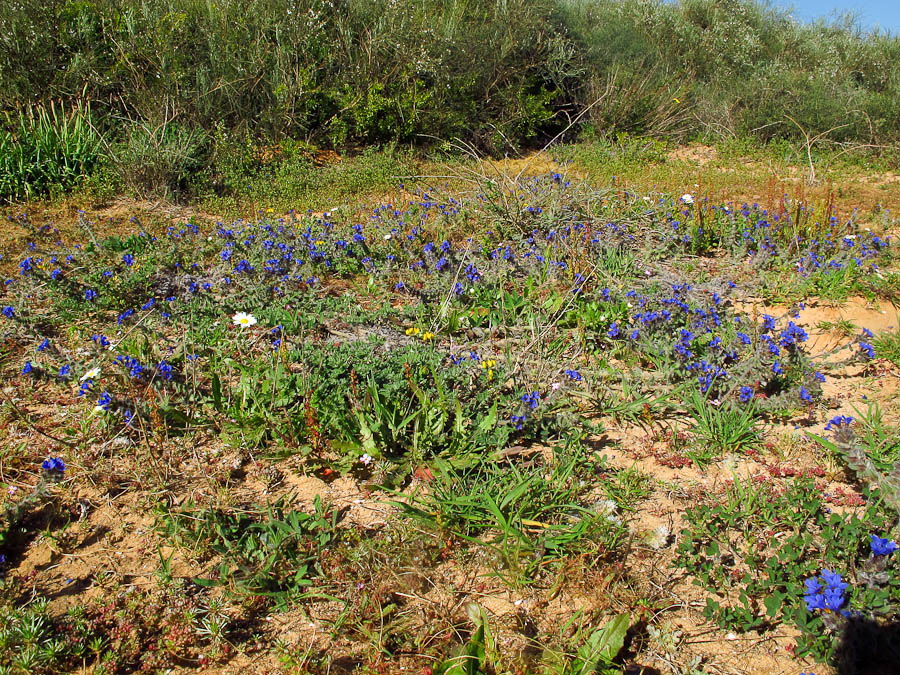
691, 331
54, 466
838, 421
825, 593
135, 369
532, 400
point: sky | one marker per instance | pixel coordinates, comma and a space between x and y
884, 14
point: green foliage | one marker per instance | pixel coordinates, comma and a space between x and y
601, 647
28, 639
470, 658
878, 439
46, 149
359, 71
265, 404
287, 175
628, 487
754, 546
273, 552
526, 516
595, 654
887, 346
726, 427
405, 401
498, 74
157, 160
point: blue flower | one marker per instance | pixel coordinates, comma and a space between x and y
65, 370
838, 421
532, 400
9, 312
575, 375
777, 369
43, 345
54, 465
805, 395
825, 593
746, 394
89, 294
104, 401
867, 349
881, 546
27, 368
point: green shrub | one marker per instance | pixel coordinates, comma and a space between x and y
46, 148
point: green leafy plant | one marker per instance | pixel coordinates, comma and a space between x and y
46, 148
754, 546
521, 515
470, 658
597, 652
274, 553
726, 427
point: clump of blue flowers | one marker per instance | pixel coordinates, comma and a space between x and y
825, 592
838, 421
54, 466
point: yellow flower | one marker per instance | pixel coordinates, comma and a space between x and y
270, 210
427, 336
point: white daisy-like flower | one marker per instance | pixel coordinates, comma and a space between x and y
91, 374
243, 319
687, 198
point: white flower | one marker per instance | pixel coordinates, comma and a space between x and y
92, 374
366, 459
243, 319
658, 538
687, 198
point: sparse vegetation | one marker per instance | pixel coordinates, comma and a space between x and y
329, 392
